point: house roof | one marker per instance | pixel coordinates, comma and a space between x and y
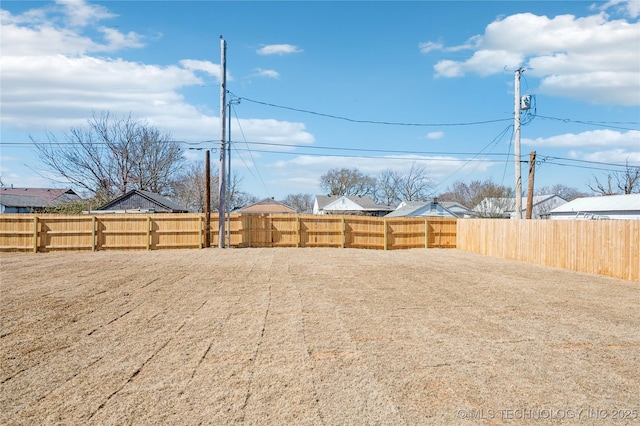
151, 196
267, 205
405, 208
35, 197
423, 208
604, 203
364, 202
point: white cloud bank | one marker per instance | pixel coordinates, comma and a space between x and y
53, 78
594, 58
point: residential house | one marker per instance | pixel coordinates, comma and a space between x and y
601, 207
33, 200
139, 201
433, 208
267, 206
349, 204
505, 207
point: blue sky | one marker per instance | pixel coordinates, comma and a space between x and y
370, 85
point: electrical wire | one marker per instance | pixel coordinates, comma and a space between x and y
250, 154
388, 123
491, 144
608, 124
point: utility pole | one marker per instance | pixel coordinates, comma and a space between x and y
516, 143
532, 172
207, 200
222, 186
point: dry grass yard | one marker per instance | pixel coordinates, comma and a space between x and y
312, 337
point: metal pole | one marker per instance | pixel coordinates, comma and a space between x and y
223, 107
516, 144
229, 180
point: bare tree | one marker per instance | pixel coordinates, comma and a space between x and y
415, 185
498, 202
562, 191
387, 188
619, 182
347, 182
302, 203
471, 194
237, 197
188, 189
485, 197
111, 156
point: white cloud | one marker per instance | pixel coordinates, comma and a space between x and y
50, 80
590, 139
267, 73
80, 13
278, 49
205, 66
39, 32
630, 8
434, 135
593, 58
275, 132
617, 156
437, 166
430, 46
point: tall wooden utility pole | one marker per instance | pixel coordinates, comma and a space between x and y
532, 172
222, 184
516, 143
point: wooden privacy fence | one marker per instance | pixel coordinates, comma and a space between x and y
605, 247
43, 233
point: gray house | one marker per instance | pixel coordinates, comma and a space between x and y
506, 207
33, 200
433, 208
138, 201
602, 207
349, 204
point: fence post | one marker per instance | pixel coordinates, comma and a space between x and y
93, 233
148, 232
385, 233
298, 234
200, 231
343, 231
35, 234
426, 232
249, 231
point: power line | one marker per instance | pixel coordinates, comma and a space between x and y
608, 124
388, 123
250, 154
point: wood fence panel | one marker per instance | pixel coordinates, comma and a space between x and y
284, 230
364, 232
65, 232
406, 233
441, 233
122, 232
321, 231
605, 247
175, 231
17, 232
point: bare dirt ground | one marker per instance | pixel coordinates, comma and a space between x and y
313, 336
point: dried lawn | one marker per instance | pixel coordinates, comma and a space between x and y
310, 336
